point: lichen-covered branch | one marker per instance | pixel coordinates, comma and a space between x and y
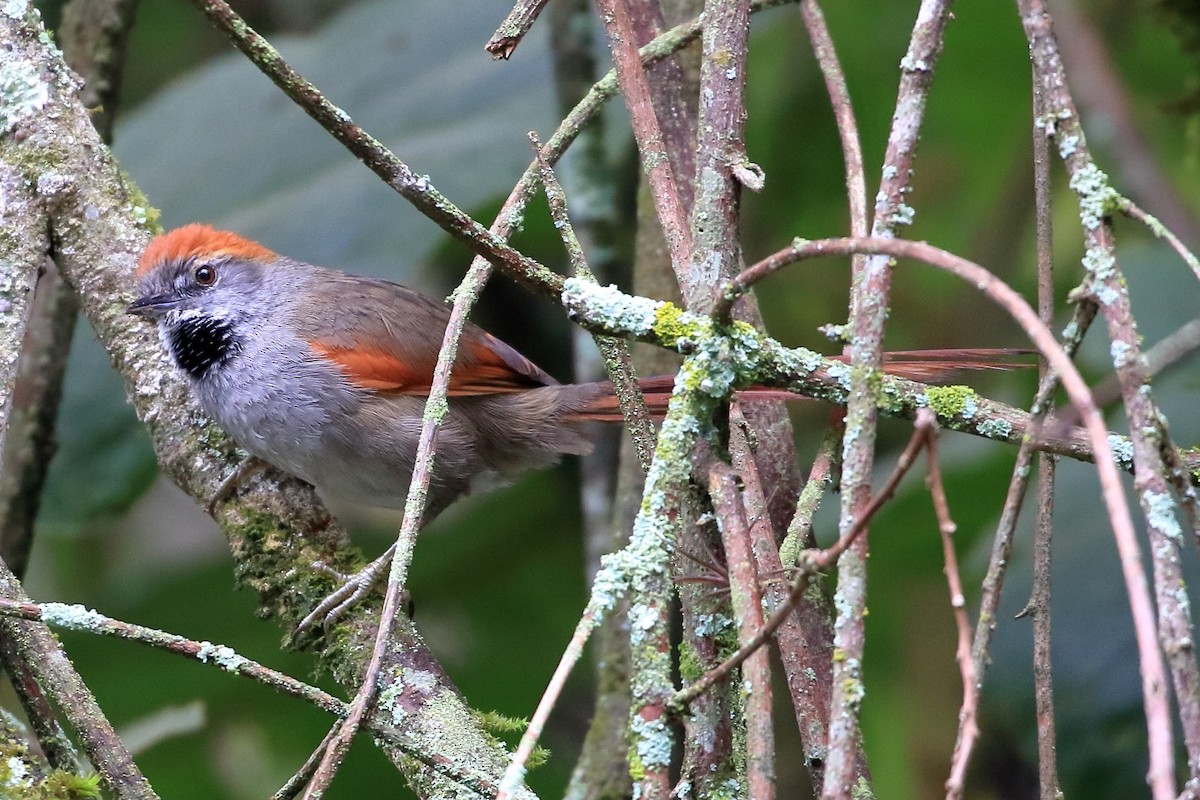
417, 189
23, 249
94, 34
276, 527
807, 373
510, 33
869, 302
721, 151
747, 601
41, 653
1106, 285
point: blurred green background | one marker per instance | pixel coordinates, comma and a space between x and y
499, 580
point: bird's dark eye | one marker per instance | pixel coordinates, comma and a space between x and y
205, 275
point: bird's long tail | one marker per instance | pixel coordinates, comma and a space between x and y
927, 366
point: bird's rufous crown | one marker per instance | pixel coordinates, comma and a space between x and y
195, 241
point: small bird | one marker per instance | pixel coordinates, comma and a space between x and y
325, 374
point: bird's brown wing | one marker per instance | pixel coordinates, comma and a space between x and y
386, 338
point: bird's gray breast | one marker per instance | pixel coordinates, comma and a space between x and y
276, 400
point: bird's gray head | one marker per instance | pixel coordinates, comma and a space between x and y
199, 283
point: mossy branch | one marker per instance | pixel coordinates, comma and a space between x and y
276, 526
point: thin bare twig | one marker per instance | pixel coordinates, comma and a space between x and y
647, 132
843, 113
969, 712
615, 351
79, 618
1134, 211
1149, 436
993, 581
1039, 609
510, 33
673, 91
1039, 598
515, 773
38, 647
1037, 433
301, 777
810, 562
417, 189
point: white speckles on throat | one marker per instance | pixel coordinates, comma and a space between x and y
199, 342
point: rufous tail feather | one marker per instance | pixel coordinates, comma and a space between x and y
927, 366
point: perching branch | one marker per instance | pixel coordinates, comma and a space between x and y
276, 525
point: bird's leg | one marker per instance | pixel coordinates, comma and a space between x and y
353, 589
248, 467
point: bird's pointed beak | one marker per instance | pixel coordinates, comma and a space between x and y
153, 305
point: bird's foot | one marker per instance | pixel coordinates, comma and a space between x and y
352, 590
244, 470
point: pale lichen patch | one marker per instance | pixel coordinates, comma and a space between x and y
23, 93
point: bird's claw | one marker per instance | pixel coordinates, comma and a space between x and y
244, 470
352, 590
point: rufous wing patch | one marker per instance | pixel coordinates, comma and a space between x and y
480, 370
199, 241
375, 369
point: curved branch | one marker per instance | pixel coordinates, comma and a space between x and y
1157, 710
641, 318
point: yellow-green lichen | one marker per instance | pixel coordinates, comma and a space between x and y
691, 669
637, 771
20, 778
147, 216
952, 401
862, 790
68, 785
673, 325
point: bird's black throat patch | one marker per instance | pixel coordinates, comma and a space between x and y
201, 343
